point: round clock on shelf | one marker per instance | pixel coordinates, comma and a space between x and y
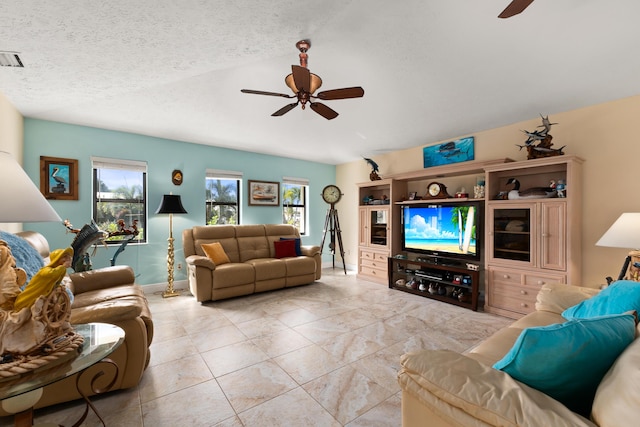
437, 190
331, 194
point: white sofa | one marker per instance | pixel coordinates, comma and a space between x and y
444, 388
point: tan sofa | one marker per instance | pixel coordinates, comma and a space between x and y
106, 295
253, 267
444, 388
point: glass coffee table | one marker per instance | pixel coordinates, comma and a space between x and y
19, 395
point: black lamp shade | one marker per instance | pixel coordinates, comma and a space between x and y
171, 204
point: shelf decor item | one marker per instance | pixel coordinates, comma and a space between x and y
449, 152
59, 178
170, 204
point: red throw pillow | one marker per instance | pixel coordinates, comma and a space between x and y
285, 248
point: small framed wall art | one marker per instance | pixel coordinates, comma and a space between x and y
59, 178
461, 150
264, 193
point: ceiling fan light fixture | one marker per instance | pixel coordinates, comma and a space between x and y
315, 83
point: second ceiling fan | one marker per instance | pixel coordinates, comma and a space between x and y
304, 84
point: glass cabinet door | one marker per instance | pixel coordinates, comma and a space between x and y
511, 230
379, 220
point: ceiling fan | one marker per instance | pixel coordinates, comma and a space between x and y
514, 8
304, 84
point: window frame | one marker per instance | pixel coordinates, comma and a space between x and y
98, 163
303, 183
214, 174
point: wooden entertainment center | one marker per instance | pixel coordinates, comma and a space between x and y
540, 245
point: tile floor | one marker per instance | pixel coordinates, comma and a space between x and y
326, 354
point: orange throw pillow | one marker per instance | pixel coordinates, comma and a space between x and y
216, 253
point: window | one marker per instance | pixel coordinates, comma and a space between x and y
294, 202
120, 198
222, 197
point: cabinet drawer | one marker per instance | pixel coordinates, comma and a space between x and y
380, 257
374, 263
515, 304
506, 277
543, 279
374, 272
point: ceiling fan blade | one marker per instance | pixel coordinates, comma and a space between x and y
285, 109
514, 8
301, 78
260, 92
344, 93
323, 110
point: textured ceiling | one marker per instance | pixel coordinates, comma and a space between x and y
431, 70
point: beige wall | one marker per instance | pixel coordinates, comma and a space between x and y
11, 140
605, 135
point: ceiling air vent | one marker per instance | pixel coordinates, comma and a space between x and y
10, 59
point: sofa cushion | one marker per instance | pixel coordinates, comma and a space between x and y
547, 357
285, 248
298, 244
619, 297
617, 401
215, 252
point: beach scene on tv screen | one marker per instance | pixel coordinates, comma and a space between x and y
441, 229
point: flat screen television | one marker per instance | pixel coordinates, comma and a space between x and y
447, 230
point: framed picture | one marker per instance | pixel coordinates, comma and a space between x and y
264, 193
59, 178
449, 152
412, 195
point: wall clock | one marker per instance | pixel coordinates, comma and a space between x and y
437, 190
331, 194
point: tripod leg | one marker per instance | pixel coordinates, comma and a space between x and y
324, 230
337, 222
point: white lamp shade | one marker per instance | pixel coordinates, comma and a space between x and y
20, 199
624, 233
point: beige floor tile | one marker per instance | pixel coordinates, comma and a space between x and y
167, 378
346, 393
256, 384
308, 363
201, 405
386, 414
233, 357
281, 342
294, 408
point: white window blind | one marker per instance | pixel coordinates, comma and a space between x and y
121, 164
218, 173
295, 181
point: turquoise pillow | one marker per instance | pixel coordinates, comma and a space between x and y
617, 298
567, 361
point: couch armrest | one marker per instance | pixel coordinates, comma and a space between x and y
114, 312
200, 261
457, 387
101, 278
309, 250
557, 297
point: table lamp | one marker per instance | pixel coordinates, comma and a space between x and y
624, 233
22, 201
170, 204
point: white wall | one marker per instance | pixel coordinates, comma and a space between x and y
605, 135
11, 141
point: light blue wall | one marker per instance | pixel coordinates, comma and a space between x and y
44, 138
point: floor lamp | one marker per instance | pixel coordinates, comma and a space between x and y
624, 233
170, 204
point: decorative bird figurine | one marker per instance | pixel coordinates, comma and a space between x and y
529, 193
373, 176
